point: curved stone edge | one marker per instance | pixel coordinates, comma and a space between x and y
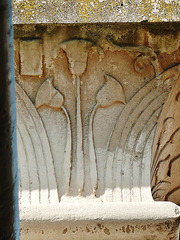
37, 11
121, 221
134, 211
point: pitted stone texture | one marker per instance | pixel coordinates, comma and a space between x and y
90, 11
105, 221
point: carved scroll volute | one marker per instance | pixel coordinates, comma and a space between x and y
49, 104
111, 93
143, 63
165, 170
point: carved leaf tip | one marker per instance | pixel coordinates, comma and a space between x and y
49, 96
111, 93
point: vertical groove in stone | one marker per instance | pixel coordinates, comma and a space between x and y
79, 147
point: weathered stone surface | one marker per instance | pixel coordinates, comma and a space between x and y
31, 57
91, 11
120, 221
86, 126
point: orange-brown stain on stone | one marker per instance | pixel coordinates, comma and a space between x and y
65, 231
178, 96
99, 226
106, 231
143, 227
128, 230
132, 228
146, 39
169, 59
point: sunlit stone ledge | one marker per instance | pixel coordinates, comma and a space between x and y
124, 221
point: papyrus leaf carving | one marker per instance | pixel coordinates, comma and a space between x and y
48, 96
112, 92
49, 103
77, 53
131, 140
38, 183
